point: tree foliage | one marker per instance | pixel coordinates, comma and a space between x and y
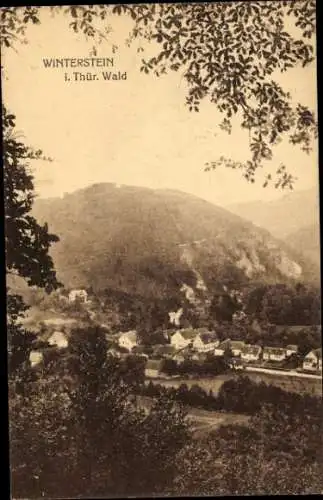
282, 304
26, 242
78, 430
229, 53
260, 456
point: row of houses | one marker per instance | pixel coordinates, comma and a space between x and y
202, 340
192, 343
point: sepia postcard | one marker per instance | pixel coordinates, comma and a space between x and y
162, 239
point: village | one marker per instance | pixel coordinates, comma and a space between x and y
178, 347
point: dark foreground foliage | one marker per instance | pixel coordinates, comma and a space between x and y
238, 395
76, 431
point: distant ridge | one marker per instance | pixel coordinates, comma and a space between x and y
132, 239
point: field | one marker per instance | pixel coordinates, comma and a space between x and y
203, 421
290, 384
206, 383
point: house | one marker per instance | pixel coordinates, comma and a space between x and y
183, 338
313, 360
77, 295
222, 348
274, 354
205, 340
153, 368
236, 347
175, 316
291, 349
35, 357
58, 339
128, 340
251, 353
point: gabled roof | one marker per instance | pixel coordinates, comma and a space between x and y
316, 352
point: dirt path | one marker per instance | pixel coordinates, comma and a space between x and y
291, 373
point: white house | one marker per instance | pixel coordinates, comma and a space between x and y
175, 316
251, 353
128, 340
291, 349
35, 357
80, 295
236, 347
58, 339
313, 360
183, 338
205, 341
274, 354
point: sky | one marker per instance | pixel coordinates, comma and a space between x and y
135, 132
